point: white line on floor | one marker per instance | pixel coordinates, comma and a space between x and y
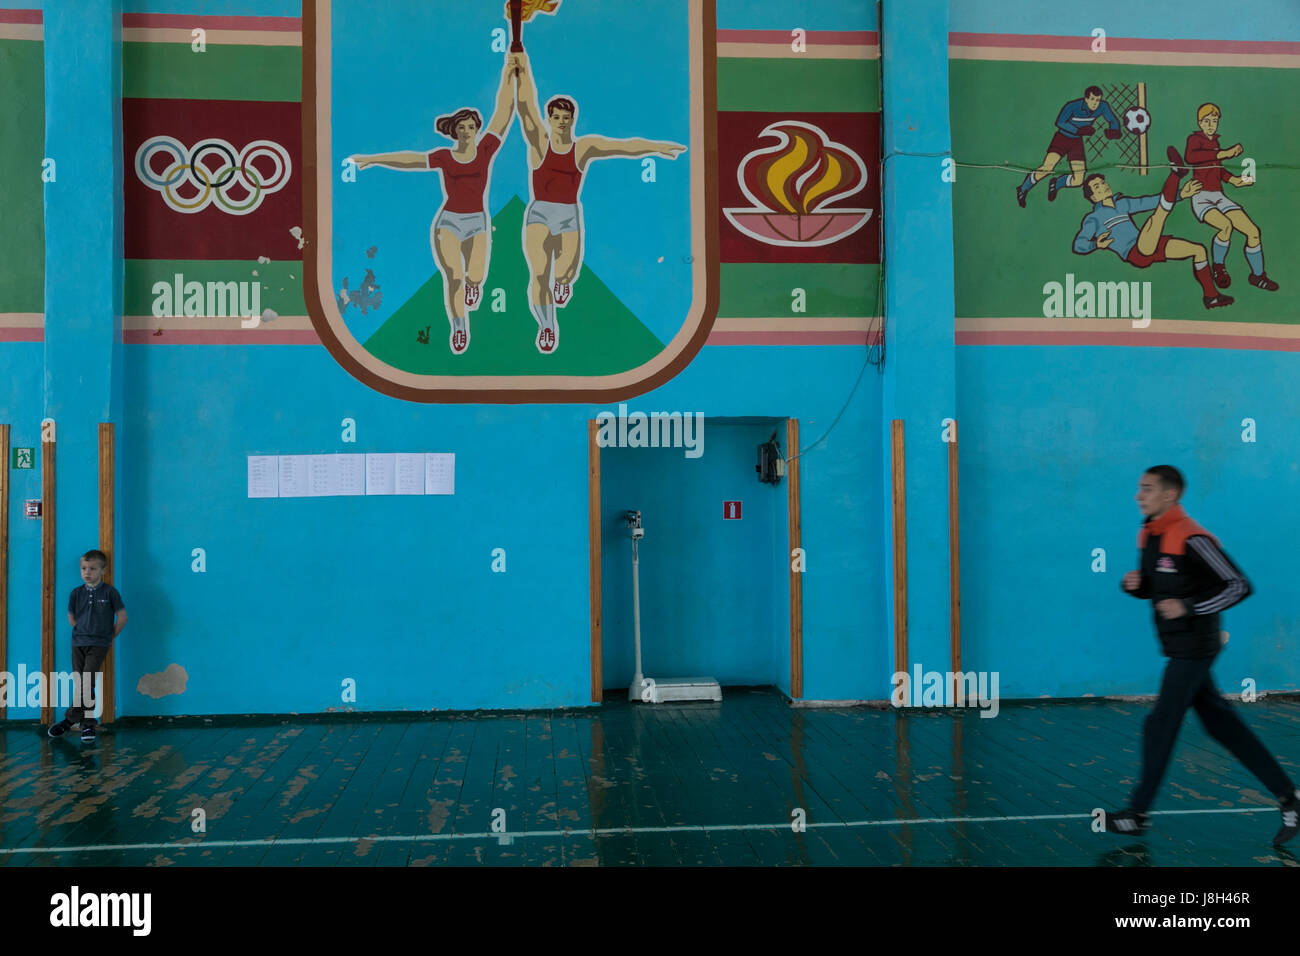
580, 832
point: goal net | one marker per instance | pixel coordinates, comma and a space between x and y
1129, 151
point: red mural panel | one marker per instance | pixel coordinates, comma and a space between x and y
211, 179
799, 188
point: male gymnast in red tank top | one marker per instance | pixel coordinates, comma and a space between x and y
553, 220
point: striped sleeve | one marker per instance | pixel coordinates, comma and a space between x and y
1225, 584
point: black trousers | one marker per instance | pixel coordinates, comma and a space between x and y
86, 662
1188, 684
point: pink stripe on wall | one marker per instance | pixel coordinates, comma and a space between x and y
180, 21
1145, 339
22, 335
221, 337
20, 16
793, 338
1032, 41
825, 37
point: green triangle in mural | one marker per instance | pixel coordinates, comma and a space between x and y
598, 334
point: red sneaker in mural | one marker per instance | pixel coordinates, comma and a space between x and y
1221, 277
562, 292
1217, 302
1262, 281
459, 341
473, 293
547, 340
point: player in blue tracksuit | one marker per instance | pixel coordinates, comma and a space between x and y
1075, 121
1110, 226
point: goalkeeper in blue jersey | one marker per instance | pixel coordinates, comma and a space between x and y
1074, 122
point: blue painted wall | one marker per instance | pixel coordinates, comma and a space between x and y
22, 407
399, 595
1054, 440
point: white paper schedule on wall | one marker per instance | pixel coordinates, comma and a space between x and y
337, 475
323, 475
380, 473
439, 473
352, 474
410, 473
295, 476
263, 476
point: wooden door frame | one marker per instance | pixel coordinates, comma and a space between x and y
593, 555
795, 523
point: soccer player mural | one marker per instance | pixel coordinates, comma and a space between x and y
1215, 209
1110, 226
1073, 122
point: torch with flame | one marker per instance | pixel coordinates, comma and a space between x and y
793, 185
519, 12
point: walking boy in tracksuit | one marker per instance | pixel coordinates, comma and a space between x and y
1189, 581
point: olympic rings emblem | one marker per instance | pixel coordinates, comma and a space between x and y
235, 168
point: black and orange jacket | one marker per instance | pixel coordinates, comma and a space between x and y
1181, 560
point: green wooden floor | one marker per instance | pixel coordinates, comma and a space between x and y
684, 784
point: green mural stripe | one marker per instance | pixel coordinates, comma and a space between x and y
599, 335
174, 71
22, 206
829, 289
281, 281
1020, 262
827, 86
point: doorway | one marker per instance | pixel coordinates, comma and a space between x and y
718, 597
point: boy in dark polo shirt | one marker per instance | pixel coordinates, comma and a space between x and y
97, 615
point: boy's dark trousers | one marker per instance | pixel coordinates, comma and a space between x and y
86, 663
1187, 683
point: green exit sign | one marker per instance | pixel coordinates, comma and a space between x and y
24, 458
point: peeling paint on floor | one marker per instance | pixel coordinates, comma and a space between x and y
623, 785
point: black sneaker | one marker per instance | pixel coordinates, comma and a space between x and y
87, 733
1127, 823
1051, 189
59, 729
1290, 819
1020, 197
1217, 302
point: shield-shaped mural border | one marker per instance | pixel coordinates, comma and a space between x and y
318, 280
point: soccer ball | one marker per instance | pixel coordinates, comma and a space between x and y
1137, 120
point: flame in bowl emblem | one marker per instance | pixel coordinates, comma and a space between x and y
793, 186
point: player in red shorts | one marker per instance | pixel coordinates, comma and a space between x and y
1073, 122
1215, 209
1110, 226
459, 236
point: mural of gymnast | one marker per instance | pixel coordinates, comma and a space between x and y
553, 220
459, 236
